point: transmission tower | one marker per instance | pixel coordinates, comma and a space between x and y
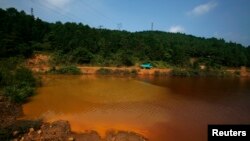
119, 26
152, 26
32, 12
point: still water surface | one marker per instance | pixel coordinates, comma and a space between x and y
161, 109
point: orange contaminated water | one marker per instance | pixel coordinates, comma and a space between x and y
159, 108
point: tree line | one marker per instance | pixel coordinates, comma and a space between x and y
22, 34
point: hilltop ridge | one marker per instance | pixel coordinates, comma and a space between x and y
75, 43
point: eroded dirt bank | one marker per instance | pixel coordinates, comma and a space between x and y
41, 63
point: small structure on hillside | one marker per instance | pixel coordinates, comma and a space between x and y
146, 66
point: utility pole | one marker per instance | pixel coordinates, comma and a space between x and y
152, 26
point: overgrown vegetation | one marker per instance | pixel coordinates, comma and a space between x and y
105, 71
16, 81
21, 34
65, 70
190, 72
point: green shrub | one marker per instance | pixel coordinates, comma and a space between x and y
116, 72
17, 84
24, 76
160, 64
5, 77
69, 70
11, 63
21, 86
189, 72
134, 72
180, 72
237, 73
104, 71
66, 70
19, 93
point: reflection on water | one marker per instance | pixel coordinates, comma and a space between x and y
160, 109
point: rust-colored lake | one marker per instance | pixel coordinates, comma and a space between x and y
162, 109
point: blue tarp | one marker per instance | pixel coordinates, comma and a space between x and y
146, 66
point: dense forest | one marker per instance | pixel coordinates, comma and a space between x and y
22, 34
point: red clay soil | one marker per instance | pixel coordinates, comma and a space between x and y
38, 63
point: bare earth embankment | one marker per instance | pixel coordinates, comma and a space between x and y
40, 63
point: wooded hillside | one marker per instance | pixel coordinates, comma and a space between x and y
22, 34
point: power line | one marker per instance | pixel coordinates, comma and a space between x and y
56, 10
51, 9
97, 12
72, 16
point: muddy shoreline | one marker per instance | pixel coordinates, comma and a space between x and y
11, 128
